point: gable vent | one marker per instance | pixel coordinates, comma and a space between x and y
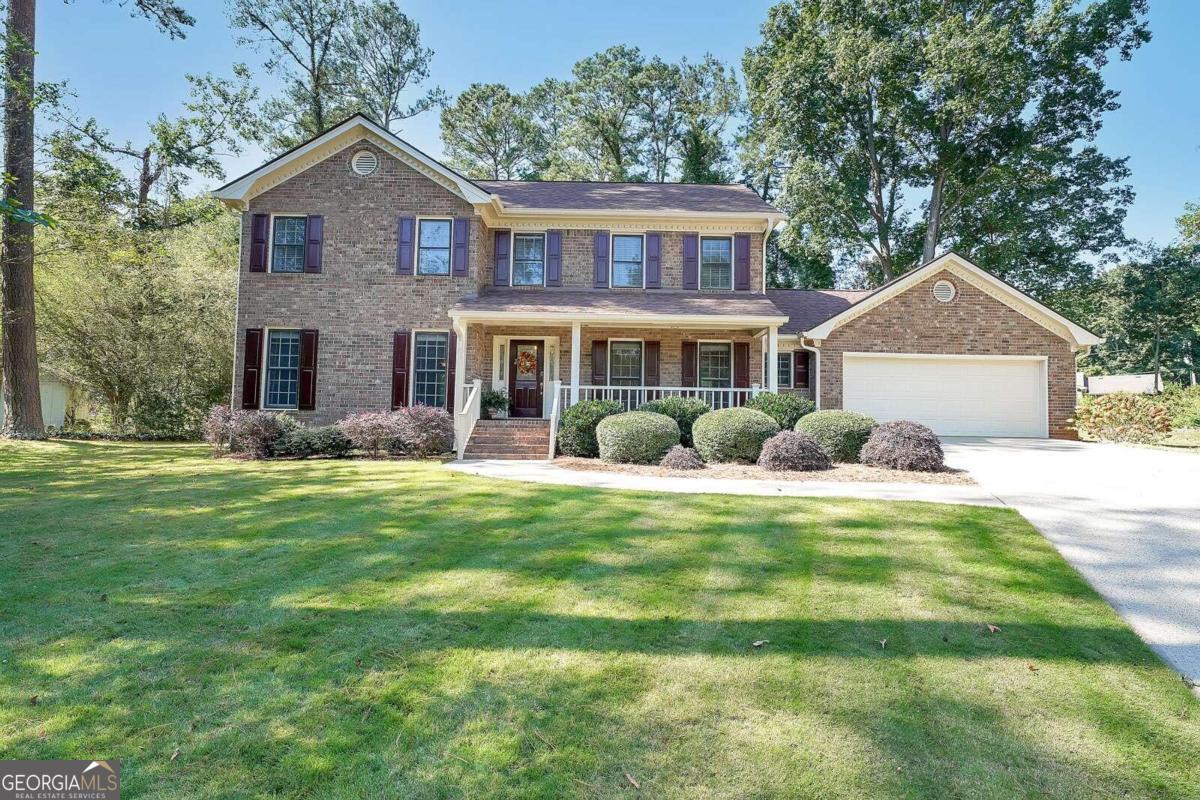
943, 291
364, 162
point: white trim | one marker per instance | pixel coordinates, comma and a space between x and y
594, 318
1014, 298
412, 364
576, 359
512, 257
642, 358
700, 287
271, 241
612, 250
814, 372
266, 351
773, 356
417, 248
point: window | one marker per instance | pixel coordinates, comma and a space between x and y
433, 247
624, 363
716, 263
627, 261
430, 357
785, 370
529, 259
716, 364
283, 370
287, 244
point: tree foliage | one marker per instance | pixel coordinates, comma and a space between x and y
488, 132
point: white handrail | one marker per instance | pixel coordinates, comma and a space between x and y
464, 422
633, 397
555, 402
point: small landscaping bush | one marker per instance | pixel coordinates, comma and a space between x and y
1122, 417
841, 434
1183, 404
680, 457
786, 409
904, 445
577, 427
255, 432
422, 432
303, 441
684, 410
372, 431
217, 428
792, 451
732, 434
636, 437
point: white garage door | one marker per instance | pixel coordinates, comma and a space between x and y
956, 396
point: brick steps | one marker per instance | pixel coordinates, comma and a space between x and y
510, 439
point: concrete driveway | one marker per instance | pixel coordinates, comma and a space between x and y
1128, 518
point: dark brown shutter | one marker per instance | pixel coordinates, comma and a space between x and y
462, 240
741, 262
691, 261
451, 370
554, 258
314, 236
259, 229
800, 368
653, 261
599, 363
308, 370
400, 369
741, 365
688, 364
500, 277
252, 367
650, 351
600, 261
405, 229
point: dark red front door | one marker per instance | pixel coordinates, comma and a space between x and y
525, 364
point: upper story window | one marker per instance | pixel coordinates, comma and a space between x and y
716, 262
715, 364
283, 370
624, 363
529, 259
627, 262
433, 247
287, 244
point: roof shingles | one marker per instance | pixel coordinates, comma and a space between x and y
646, 197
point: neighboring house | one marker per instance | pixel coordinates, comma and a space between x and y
1138, 383
373, 276
62, 399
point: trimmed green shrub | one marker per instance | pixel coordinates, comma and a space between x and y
680, 457
904, 445
684, 410
1183, 404
841, 434
305, 442
636, 437
422, 432
732, 434
1122, 417
792, 451
577, 427
786, 409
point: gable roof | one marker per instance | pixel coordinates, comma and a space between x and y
649, 197
806, 308
997, 288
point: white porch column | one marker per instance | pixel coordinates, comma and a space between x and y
460, 364
576, 344
773, 358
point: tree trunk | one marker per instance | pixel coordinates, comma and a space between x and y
935, 218
22, 393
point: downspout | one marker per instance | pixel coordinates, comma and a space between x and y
816, 351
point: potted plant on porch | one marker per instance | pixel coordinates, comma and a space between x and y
493, 404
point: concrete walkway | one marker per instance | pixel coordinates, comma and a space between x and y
545, 472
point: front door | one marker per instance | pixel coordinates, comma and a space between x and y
525, 366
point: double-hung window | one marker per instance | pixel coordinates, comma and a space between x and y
287, 244
431, 353
628, 262
433, 247
625, 363
716, 262
785, 370
283, 370
715, 365
529, 259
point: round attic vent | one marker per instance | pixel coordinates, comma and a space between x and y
943, 291
364, 162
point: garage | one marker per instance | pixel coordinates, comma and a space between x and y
953, 395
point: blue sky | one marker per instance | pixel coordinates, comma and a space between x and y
124, 72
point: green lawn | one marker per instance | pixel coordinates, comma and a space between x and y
1184, 437
395, 630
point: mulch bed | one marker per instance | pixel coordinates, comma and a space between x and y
860, 473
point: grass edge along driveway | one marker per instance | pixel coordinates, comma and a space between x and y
340, 629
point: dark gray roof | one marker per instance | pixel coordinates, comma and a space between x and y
808, 308
599, 196
605, 301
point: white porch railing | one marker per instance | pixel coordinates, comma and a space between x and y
464, 421
631, 397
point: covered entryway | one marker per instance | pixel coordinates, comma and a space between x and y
954, 395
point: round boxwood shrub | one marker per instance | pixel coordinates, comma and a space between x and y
577, 427
841, 434
786, 409
732, 434
680, 457
636, 437
792, 451
684, 410
904, 445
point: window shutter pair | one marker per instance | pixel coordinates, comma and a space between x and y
252, 367
800, 359
460, 245
314, 242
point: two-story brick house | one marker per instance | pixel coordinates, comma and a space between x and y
374, 277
